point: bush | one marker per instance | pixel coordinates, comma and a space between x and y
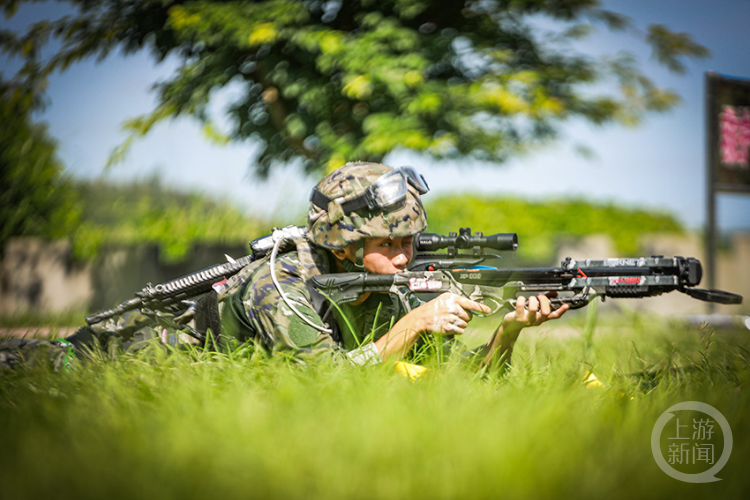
146, 212
539, 224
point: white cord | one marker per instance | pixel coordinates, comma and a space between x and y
283, 296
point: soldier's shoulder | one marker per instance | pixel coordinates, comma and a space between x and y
294, 264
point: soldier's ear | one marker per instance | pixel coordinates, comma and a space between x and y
349, 252
339, 254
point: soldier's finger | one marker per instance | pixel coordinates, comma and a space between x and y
533, 308
558, 312
521, 308
453, 327
457, 321
461, 313
470, 305
442, 325
544, 303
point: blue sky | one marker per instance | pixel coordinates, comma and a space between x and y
660, 164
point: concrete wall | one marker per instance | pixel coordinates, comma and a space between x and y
37, 274
43, 276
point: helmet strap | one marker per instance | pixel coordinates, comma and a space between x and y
358, 266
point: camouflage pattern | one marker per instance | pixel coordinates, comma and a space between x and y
254, 311
28, 353
335, 230
129, 332
251, 307
123, 327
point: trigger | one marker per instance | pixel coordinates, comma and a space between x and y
494, 305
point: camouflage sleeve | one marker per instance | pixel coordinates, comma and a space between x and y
278, 326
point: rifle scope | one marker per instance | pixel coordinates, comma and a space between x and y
429, 242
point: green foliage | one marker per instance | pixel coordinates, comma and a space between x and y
34, 319
147, 212
327, 82
197, 425
541, 224
668, 46
36, 199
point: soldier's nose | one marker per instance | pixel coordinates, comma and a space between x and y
399, 260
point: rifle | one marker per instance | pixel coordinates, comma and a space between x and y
448, 268
174, 296
576, 282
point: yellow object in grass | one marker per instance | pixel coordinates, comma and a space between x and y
590, 381
410, 370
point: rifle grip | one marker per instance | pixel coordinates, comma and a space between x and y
339, 288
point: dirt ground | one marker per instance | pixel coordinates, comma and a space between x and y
38, 332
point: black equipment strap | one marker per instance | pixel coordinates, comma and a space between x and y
322, 201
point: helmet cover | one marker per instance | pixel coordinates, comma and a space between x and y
334, 229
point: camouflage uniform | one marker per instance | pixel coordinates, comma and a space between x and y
255, 311
129, 332
29, 353
252, 308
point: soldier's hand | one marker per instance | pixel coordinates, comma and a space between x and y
446, 314
532, 312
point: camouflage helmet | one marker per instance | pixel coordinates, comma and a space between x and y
366, 200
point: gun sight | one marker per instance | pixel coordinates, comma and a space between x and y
429, 242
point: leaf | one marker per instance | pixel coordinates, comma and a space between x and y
263, 33
668, 47
358, 87
454, 78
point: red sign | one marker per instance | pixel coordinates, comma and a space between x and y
729, 132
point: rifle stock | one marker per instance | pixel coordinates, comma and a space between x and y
171, 294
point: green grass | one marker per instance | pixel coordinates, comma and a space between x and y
198, 425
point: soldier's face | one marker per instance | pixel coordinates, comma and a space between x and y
386, 255
382, 255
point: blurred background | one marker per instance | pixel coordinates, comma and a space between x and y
143, 141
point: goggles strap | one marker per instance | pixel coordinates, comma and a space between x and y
360, 253
321, 201
409, 175
358, 266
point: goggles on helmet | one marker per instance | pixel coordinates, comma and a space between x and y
387, 191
